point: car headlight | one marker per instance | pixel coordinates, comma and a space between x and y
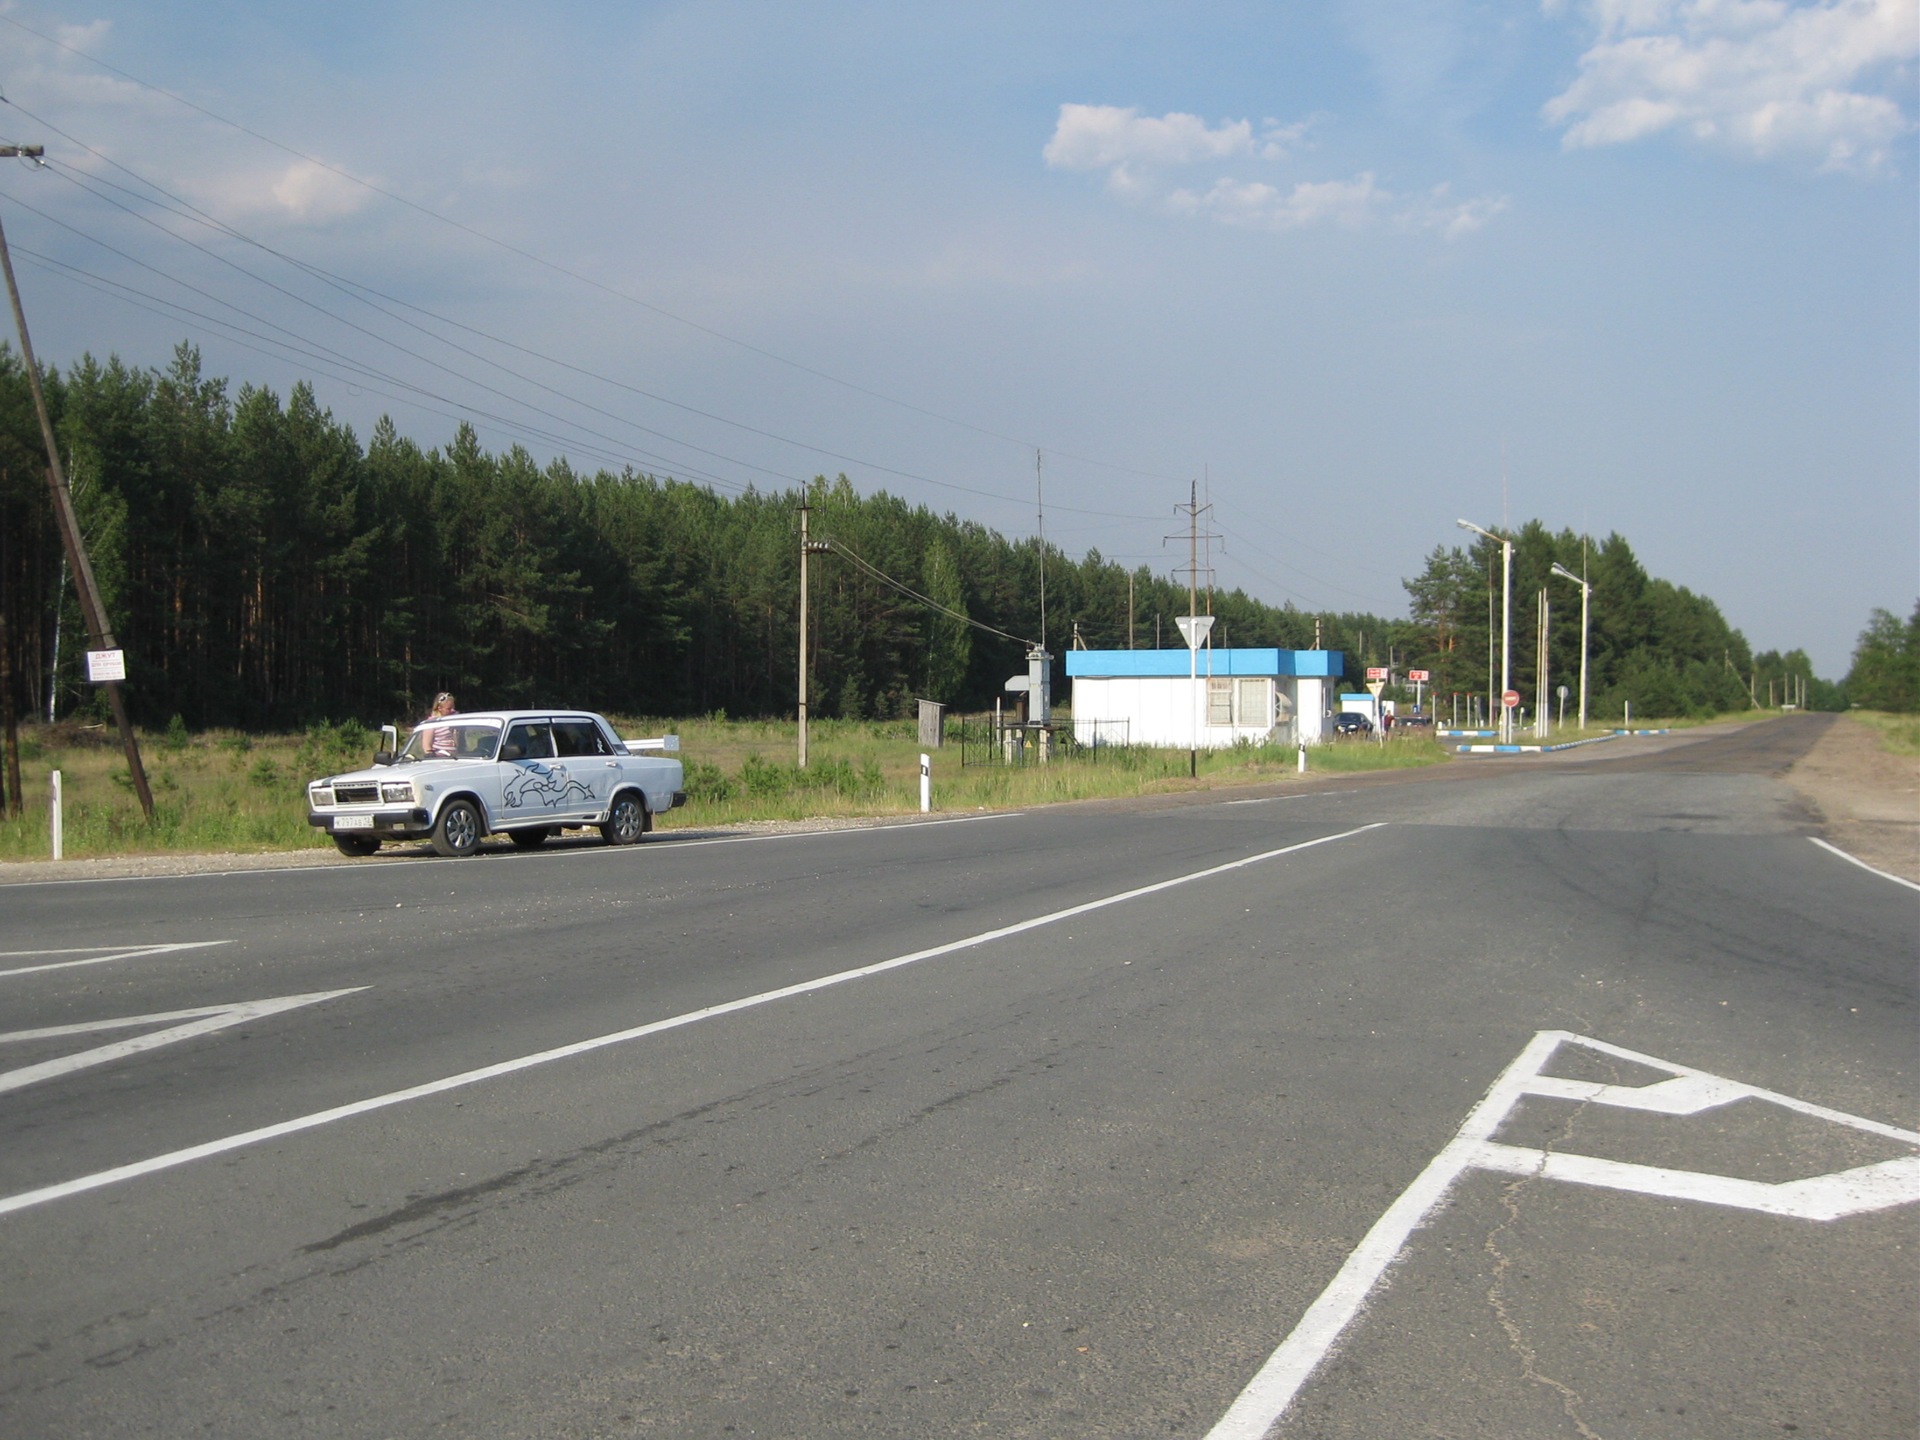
397, 792
320, 795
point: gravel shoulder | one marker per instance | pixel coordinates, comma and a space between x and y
1868, 798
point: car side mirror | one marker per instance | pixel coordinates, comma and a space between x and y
383, 757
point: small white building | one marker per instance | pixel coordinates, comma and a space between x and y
1147, 697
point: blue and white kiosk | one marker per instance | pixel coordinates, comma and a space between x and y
1148, 697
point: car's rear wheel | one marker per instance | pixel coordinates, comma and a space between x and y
530, 839
626, 820
457, 832
356, 845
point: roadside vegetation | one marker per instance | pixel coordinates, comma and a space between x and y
224, 791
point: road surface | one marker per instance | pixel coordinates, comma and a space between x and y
1540, 1098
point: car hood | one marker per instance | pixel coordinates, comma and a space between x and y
418, 770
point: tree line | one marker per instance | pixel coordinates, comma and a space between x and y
265, 570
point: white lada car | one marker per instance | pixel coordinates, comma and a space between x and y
523, 773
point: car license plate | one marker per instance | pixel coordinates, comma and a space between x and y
353, 822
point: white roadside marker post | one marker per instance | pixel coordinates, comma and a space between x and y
926, 783
54, 803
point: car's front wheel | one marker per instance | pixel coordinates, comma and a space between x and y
357, 846
626, 820
457, 832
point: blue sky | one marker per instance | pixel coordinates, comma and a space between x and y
1653, 262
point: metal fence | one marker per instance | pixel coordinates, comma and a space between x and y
996, 740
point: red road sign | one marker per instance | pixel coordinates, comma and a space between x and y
1510, 699
1376, 672
1419, 677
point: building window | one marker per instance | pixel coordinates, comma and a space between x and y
1254, 703
1219, 700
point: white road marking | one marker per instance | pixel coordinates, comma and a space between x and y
29, 1198
95, 957
1822, 1197
203, 1021
1299, 795
1856, 860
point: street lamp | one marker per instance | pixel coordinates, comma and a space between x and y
1586, 593
1506, 622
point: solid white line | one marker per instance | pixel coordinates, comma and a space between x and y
29, 1198
136, 953
1269, 1393
1855, 859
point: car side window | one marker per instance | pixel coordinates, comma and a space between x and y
579, 737
528, 740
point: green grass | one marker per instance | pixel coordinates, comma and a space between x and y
1899, 734
221, 792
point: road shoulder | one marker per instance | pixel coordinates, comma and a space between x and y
1868, 798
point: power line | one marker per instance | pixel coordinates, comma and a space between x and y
358, 291
563, 270
910, 592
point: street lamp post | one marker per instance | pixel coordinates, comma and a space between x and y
1586, 593
1506, 622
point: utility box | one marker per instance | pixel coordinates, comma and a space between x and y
932, 713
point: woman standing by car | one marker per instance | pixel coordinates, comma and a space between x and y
440, 739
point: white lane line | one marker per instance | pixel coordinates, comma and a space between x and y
1856, 860
202, 1021
1820, 1198
1300, 795
26, 1199
138, 952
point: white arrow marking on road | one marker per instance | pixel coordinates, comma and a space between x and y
1819, 1197
203, 1021
97, 955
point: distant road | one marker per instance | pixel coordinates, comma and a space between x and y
1535, 1098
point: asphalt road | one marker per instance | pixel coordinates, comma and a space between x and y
1386, 1099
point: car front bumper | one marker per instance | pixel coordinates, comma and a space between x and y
407, 823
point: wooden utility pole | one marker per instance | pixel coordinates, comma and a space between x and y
70, 537
804, 549
807, 548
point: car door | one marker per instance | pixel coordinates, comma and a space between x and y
588, 765
530, 788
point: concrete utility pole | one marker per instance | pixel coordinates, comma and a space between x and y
90, 606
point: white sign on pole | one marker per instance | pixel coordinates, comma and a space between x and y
1195, 628
105, 665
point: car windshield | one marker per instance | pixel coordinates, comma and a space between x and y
452, 739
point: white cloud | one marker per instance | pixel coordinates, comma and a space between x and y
1104, 137
1137, 152
1266, 207
1451, 219
1762, 78
302, 192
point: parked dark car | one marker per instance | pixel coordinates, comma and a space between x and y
1352, 722
1418, 722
